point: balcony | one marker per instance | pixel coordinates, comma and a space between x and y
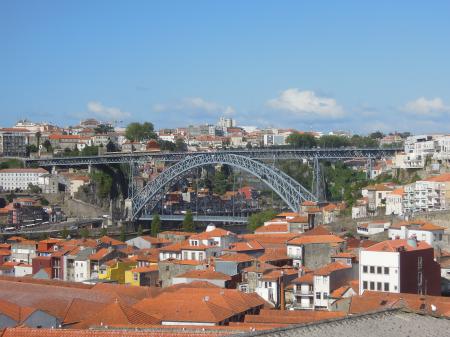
304, 292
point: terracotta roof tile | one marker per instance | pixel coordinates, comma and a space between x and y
312, 239
396, 245
205, 274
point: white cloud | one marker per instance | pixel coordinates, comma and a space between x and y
427, 107
109, 113
195, 104
307, 104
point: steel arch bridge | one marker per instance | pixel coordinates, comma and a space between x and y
287, 188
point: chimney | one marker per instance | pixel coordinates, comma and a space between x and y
412, 241
282, 299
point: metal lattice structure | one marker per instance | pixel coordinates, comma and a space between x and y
259, 154
287, 188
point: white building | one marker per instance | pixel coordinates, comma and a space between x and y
399, 266
442, 152
23, 269
359, 210
48, 183
20, 178
273, 139
370, 228
312, 290
376, 196
423, 231
82, 269
394, 202
417, 148
226, 122
431, 194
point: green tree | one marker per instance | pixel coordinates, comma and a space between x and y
180, 145
45, 202
65, 233
10, 197
48, 146
257, 220
103, 128
90, 151
165, 145
376, 135
220, 183
31, 148
156, 225
188, 222
363, 142
103, 182
84, 233
123, 234
35, 189
140, 132
333, 141
301, 140
140, 230
111, 147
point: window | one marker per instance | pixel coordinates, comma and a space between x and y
379, 286
386, 270
386, 287
372, 269
192, 256
325, 296
317, 296
185, 255
372, 285
364, 285
379, 270
135, 276
364, 269
200, 256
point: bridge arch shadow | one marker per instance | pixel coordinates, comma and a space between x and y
289, 190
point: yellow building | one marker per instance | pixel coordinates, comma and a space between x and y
114, 270
142, 276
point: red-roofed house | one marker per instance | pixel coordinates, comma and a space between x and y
314, 251
405, 266
422, 230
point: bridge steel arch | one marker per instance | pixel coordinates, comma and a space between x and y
286, 187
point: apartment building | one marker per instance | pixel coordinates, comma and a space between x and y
421, 230
394, 202
20, 178
313, 290
13, 142
417, 148
399, 266
431, 194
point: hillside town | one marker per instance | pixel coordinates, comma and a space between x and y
224, 168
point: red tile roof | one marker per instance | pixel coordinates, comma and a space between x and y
118, 313
330, 268
272, 228
312, 239
206, 275
396, 245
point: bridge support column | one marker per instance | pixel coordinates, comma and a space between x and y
318, 182
369, 167
131, 185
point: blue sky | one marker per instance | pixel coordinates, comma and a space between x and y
354, 65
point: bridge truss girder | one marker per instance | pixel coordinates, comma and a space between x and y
287, 188
258, 154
